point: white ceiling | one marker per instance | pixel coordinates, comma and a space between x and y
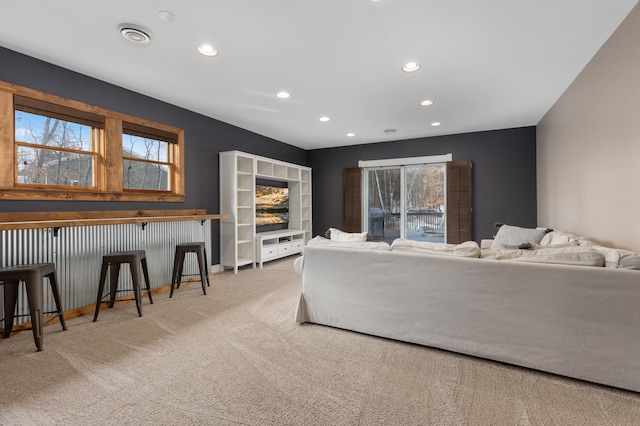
487, 64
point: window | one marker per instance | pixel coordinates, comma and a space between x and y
405, 200
58, 148
54, 152
147, 163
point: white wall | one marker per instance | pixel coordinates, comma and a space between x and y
588, 147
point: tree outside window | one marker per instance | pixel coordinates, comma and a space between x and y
147, 163
53, 151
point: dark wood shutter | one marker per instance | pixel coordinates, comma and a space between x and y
352, 190
459, 201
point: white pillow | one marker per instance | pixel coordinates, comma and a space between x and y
513, 236
560, 239
338, 235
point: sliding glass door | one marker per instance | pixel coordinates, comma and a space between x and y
405, 202
383, 203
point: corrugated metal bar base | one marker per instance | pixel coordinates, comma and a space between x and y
77, 253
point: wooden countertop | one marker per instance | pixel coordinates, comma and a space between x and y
33, 220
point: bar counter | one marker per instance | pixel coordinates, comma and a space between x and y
76, 241
35, 220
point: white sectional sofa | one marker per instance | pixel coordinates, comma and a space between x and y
577, 321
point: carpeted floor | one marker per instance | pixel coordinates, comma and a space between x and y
236, 357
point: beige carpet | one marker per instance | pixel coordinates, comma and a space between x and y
235, 357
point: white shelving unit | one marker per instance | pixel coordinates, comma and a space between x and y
239, 243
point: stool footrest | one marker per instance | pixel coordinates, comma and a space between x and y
31, 328
28, 315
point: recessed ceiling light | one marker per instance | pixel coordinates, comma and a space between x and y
350, 135
207, 50
426, 102
436, 124
324, 119
135, 34
167, 16
411, 67
283, 95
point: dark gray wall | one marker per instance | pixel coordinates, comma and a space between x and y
204, 137
504, 175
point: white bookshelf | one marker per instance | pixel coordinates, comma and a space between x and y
239, 243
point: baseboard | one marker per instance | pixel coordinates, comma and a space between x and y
216, 268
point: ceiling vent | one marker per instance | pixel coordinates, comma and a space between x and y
135, 34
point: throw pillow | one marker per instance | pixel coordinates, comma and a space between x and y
508, 235
338, 235
560, 239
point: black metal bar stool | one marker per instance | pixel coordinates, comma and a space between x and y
32, 276
178, 262
112, 261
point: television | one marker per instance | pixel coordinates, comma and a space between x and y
272, 205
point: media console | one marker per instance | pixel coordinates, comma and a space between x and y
277, 244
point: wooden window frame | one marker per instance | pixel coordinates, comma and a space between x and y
109, 162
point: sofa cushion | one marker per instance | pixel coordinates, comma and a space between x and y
622, 259
580, 256
513, 236
629, 260
373, 245
466, 249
